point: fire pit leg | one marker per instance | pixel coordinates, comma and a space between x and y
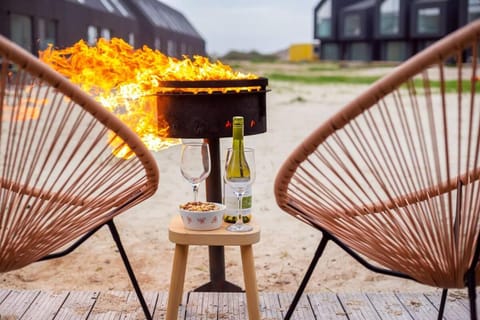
216, 253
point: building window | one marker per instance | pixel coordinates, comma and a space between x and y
47, 33
352, 25
157, 44
395, 51
21, 31
359, 51
106, 33
131, 39
324, 20
92, 35
473, 10
428, 20
329, 51
390, 17
171, 48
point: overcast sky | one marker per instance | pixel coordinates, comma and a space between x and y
263, 25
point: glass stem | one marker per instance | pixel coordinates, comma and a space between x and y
195, 192
239, 208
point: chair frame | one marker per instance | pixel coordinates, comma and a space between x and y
369, 98
34, 67
326, 237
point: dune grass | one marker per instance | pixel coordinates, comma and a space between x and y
450, 85
322, 79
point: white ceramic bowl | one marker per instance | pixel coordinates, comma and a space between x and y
203, 220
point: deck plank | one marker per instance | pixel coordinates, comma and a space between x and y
231, 306
210, 305
161, 306
454, 309
269, 306
194, 306
3, 294
463, 295
388, 306
202, 305
303, 310
327, 306
45, 306
134, 309
77, 306
358, 306
418, 306
109, 305
16, 303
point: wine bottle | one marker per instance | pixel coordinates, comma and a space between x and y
238, 168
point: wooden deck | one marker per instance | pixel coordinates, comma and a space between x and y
39, 305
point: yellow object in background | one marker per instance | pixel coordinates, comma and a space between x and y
302, 52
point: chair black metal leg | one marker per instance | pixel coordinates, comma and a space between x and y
443, 300
308, 274
472, 294
133, 279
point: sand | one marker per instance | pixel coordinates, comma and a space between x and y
286, 246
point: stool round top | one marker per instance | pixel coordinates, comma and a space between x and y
177, 233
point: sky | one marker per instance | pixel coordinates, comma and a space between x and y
266, 26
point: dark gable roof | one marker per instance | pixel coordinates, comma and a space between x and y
117, 7
166, 17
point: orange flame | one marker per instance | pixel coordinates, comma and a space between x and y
120, 77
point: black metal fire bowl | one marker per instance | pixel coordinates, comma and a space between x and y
209, 115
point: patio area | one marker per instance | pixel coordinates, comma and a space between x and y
49, 305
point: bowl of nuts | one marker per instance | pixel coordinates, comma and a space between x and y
197, 215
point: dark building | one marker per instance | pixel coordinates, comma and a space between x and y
166, 29
388, 30
34, 24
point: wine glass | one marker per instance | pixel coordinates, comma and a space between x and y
195, 164
239, 186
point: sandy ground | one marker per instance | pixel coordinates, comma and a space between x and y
286, 245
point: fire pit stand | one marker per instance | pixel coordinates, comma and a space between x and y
207, 114
216, 254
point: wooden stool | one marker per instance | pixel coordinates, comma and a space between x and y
220, 237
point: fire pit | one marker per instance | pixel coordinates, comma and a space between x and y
161, 98
208, 112
204, 109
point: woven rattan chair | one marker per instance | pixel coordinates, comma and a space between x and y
60, 179
393, 178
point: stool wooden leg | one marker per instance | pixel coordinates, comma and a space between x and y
177, 281
250, 279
